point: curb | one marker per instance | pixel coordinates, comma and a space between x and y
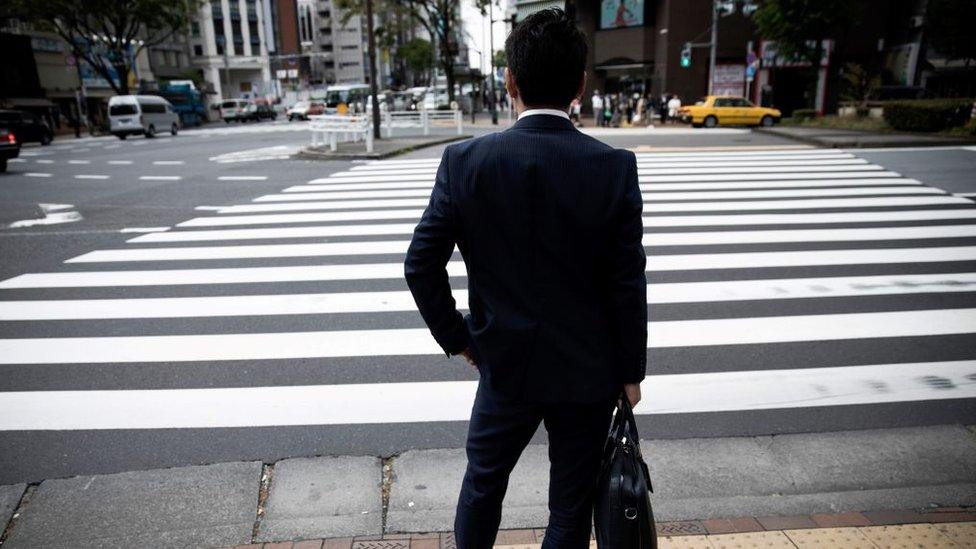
307, 153
870, 524
870, 140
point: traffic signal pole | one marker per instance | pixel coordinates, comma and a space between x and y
712, 49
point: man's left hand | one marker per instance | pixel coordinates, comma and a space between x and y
468, 357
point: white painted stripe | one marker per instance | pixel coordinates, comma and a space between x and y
402, 301
654, 205
113, 146
35, 174
763, 176
243, 252
432, 401
324, 191
655, 239
168, 162
670, 169
42, 161
648, 178
120, 162
242, 178
804, 204
79, 162
303, 204
301, 218
413, 342
160, 177
832, 160
91, 177
653, 221
378, 271
280, 232
799, 218
16, 160
144, 230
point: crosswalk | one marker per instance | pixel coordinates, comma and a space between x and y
840, 283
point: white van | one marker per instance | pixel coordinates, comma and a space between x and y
353, 96
141, 114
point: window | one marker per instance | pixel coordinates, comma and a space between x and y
122, 110
350, 47
197, 50
195, 28
723, 102
153, 108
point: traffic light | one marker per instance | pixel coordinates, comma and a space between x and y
686, 55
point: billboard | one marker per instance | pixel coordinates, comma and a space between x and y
615, 14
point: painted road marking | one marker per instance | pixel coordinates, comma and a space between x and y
54, 214
242, 178
168, 162
785, 184
646, 178
418, 341
652, 239
79, 162
385, 403
143, 229
120, 162
323, 217
402, 301
35, 174
91, 177
160, 177
378, 271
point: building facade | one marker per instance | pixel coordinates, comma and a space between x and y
228, 43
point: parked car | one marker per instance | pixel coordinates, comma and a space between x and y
9, 147
235, 110
141, 114
303, 109
713, 110
27, 126
263, 110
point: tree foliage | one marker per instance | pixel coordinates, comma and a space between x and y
949, 28
417, 53
108, 34
857, 84
438, 17
501, 60
800, 26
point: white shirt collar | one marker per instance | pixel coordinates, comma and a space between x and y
550, 112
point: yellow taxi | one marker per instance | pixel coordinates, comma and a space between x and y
727, 111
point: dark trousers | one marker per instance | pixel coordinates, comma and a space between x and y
500, 429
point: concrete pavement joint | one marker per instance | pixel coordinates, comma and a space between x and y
18, 511
385, 487
267, 472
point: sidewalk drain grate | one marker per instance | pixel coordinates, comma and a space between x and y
680, 528
383, 544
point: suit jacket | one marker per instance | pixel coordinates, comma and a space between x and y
548, 222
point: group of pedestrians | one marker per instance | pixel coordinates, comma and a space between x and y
616, 109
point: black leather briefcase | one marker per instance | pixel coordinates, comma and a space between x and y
622, 514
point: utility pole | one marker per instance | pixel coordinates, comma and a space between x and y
372, 68
491, 57
714, 43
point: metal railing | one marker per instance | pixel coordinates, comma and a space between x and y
332, 128
419, 119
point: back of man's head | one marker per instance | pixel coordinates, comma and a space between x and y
547, 57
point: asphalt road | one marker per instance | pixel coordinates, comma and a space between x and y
207, 299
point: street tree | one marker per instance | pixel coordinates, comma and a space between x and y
799, 27
438, 17
949, 28
501, 60
417, 54
108, 35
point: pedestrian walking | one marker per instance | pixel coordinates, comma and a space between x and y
548, 222
597, 102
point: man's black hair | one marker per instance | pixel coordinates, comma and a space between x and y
547, 56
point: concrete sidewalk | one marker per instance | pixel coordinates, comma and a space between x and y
854, 139
783, 482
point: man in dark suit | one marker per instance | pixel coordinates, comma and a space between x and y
548, 221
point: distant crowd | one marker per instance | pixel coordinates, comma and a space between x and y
617, 109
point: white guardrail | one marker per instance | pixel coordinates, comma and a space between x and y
333, 128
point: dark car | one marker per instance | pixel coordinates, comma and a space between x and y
9, 147
26, 126
259, 110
